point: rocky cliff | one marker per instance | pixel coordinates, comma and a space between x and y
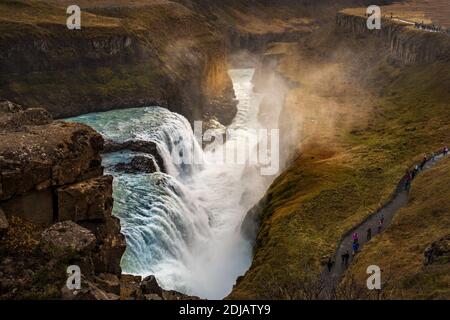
56, 211
405, 43
160, 54
56, 202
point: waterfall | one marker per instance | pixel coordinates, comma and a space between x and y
182, 226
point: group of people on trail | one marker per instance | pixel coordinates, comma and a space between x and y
411, 174
430, 27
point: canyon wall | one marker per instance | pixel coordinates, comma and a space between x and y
161, 54
54, 199
406, 44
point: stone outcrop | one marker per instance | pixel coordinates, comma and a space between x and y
438, 251
139, 164
51, 178
406, 44
67, 236
148, 147
88, 200
136, 288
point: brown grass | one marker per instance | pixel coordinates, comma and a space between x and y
400, 250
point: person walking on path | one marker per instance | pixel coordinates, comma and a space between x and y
355, 237
423, 163
445, 150
415, 171
407, 180
380, 225
345, 257
369, 234
355, 247
330, 264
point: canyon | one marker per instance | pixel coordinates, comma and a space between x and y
294, 67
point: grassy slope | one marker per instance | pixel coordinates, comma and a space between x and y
400, 250
362, 122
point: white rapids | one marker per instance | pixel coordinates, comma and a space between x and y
184, 226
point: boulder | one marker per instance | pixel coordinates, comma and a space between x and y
67, 236
139, 164
148, 147
438, 251
150, 286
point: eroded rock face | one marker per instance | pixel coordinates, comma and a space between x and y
67, 235
134, 288
148, 147
86, 200
405, 44
52, 187
139, 164
42, 156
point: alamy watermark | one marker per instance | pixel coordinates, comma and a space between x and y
73, 277
74, 20
374, 280
374, 18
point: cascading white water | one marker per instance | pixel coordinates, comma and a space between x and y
184, 226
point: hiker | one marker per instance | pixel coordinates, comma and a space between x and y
380, 225
355, 237
423, 163
355, 247
330, 264
407, 180
345, 258
445, 150
369, 234
415, 171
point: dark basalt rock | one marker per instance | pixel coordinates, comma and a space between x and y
438, 251
139, 164
148, 147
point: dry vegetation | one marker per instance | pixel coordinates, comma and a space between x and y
400, 250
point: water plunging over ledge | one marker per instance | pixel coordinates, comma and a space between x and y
184, 226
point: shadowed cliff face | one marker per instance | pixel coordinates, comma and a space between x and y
161, 54
137, 53
406, 44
